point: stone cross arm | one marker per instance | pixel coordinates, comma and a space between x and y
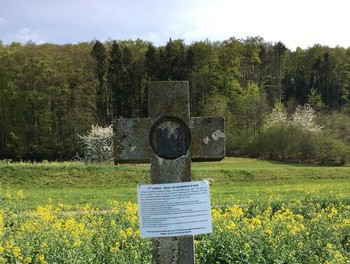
169, 131
132, 140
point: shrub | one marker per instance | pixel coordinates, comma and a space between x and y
299, 138
331, 151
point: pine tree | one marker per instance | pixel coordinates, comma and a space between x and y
115, 72
102, 94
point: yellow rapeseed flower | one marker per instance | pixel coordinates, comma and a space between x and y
268, 231
294, 229
253, 223
231, 225
122, 234
87, 207
20, 195
44, 245
129, 232
235, 211
116, 206
16, 252
77, 243
131, 208
133, 219
45, 212
338, 257
246, 246
29, 226
267, 212
115, 247
215, 214
58, 225
28, 260
41, 258
329, 246
333, 212
300, 245
345, 222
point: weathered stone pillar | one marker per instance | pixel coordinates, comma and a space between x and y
172, 250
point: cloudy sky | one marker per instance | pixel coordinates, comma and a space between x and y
296, 23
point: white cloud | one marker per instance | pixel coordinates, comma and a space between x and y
295, 23
26, 34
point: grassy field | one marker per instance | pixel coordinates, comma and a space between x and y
262, 212
233, 180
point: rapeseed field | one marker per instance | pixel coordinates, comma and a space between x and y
297, 231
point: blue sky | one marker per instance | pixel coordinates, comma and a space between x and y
300, 23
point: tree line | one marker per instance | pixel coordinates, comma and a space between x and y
51, 94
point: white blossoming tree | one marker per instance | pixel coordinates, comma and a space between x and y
304, 118
97, 145
277, 117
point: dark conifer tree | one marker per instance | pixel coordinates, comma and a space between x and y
115, 72
152, 63
102, 94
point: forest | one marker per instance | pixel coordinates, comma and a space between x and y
277, 103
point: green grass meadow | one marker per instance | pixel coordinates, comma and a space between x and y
233, 180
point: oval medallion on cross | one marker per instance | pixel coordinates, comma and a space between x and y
170, 137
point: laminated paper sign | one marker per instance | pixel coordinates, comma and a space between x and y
174, 209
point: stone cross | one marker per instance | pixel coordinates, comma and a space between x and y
170, 139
